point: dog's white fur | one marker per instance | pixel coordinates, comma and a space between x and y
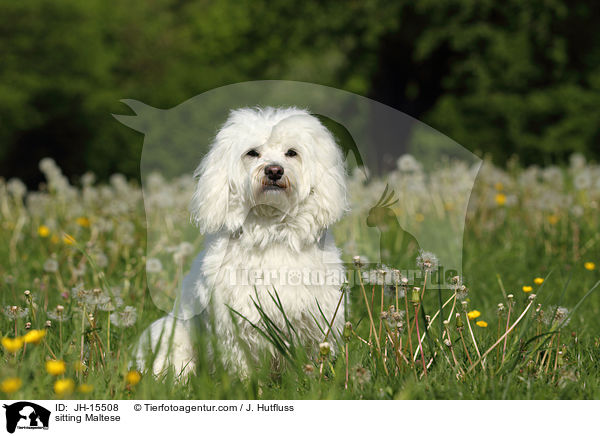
259, 231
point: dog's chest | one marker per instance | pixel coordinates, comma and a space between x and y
304, 283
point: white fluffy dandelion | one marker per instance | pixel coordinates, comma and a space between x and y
96, 298
125, 318
58, 314
556, 315
153, 266
51, 266
427, 261
15, 312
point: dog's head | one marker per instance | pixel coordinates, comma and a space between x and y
275, 163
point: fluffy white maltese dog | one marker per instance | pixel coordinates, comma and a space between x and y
269, 187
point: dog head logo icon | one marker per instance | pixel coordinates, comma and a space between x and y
24, 414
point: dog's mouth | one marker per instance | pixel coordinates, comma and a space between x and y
274, 186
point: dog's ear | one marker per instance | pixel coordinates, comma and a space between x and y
213, 204
329, 189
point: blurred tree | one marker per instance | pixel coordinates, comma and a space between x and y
66, 64
499, 77
511, 77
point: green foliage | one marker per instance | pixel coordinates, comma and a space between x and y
501, 78
507, 245
522, 77
66, 65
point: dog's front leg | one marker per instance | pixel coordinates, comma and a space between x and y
167, 342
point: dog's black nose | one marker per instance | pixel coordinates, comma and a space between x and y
274, 172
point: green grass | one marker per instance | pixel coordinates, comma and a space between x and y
505, 248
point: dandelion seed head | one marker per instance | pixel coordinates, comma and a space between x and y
427, 261
557, 315
398, 316
400, 327
500, 309
51, 266
17, 188
125, 318
462, 292
408, 164
101, 260
96, 297
153, 266
58, 314
15, 312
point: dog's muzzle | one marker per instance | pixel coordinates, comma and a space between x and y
273, 179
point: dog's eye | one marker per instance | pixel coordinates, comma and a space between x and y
291, 153
252, 153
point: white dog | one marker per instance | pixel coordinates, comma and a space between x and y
269, 187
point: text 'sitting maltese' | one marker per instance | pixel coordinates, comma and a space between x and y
269, 187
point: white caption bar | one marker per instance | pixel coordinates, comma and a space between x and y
158, 417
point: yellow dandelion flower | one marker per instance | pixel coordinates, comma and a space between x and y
34, 336
500, 199
10, 385
133, 377
64, 386
590, 266
83, 221
482, 323
527, 288
553, 219
56, 367
12, 345
474, 314
85, 388
43, 231
538, 281
68, 239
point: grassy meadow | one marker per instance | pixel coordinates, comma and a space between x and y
522, 321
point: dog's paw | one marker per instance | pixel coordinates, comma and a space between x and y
166, 343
